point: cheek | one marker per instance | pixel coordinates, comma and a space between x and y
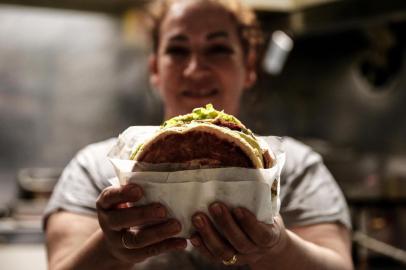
169, 76
233, 77
166, 68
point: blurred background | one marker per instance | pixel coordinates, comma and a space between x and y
334, 76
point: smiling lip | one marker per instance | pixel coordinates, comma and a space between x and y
203, 93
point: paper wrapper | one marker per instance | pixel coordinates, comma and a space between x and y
186, 192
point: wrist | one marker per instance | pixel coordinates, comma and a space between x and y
281, 245
282, 238
113, 257
276, 251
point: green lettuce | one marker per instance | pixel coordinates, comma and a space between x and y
201, 114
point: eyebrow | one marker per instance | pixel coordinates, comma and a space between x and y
218, 34
178, 37
210, 36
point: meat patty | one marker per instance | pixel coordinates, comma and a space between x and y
230, 125
196, 146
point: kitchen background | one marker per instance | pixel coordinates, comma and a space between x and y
75, 72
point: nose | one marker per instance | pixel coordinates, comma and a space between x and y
196, 67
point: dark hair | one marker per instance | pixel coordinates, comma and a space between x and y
249, 30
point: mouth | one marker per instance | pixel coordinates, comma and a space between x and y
200, 93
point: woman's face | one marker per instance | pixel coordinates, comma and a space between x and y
199, 60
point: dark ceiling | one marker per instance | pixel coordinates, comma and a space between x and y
324, 17
107, 6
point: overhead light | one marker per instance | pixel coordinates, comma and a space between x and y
278, 50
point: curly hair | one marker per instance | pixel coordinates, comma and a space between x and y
248, 27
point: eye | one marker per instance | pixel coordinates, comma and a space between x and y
220, 50
177, 51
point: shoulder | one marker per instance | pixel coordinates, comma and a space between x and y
90, 166
93, 157
299, 156
82, 180
97, 149
305, 182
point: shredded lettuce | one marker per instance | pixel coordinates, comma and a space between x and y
134, 153
200, 114
252, 141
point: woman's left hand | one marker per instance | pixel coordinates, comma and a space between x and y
244, 239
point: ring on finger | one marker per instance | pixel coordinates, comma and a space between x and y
231, 261
124, 241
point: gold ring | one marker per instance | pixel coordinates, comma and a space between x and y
230, 261
123, 242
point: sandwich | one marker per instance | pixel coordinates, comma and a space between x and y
194, 159
204, 138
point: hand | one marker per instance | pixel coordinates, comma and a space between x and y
151, 231
243, 237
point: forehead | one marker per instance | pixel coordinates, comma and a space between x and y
197, 19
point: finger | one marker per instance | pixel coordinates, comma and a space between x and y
119, 219
263, 235
112, 196
242, 259
135, 239
167, 245
231, 230
198, 244
211, 238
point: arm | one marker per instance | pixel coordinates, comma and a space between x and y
79, 245
321, 246
78, 242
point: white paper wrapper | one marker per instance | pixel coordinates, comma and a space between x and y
189, 191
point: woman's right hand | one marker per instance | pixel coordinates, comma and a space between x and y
151, 233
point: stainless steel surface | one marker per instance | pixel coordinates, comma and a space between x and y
335, 16
23, 257
380, 247
22, 221
342, 15
37, 182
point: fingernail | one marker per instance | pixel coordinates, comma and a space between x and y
216, 208
180, 244
198, 222
195, 242
160, 211
123, 205
175, 226
239, 213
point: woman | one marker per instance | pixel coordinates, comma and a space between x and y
204, 52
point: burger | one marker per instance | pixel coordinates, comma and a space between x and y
204, 138
200, 157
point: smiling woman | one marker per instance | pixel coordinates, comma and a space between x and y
203, 53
